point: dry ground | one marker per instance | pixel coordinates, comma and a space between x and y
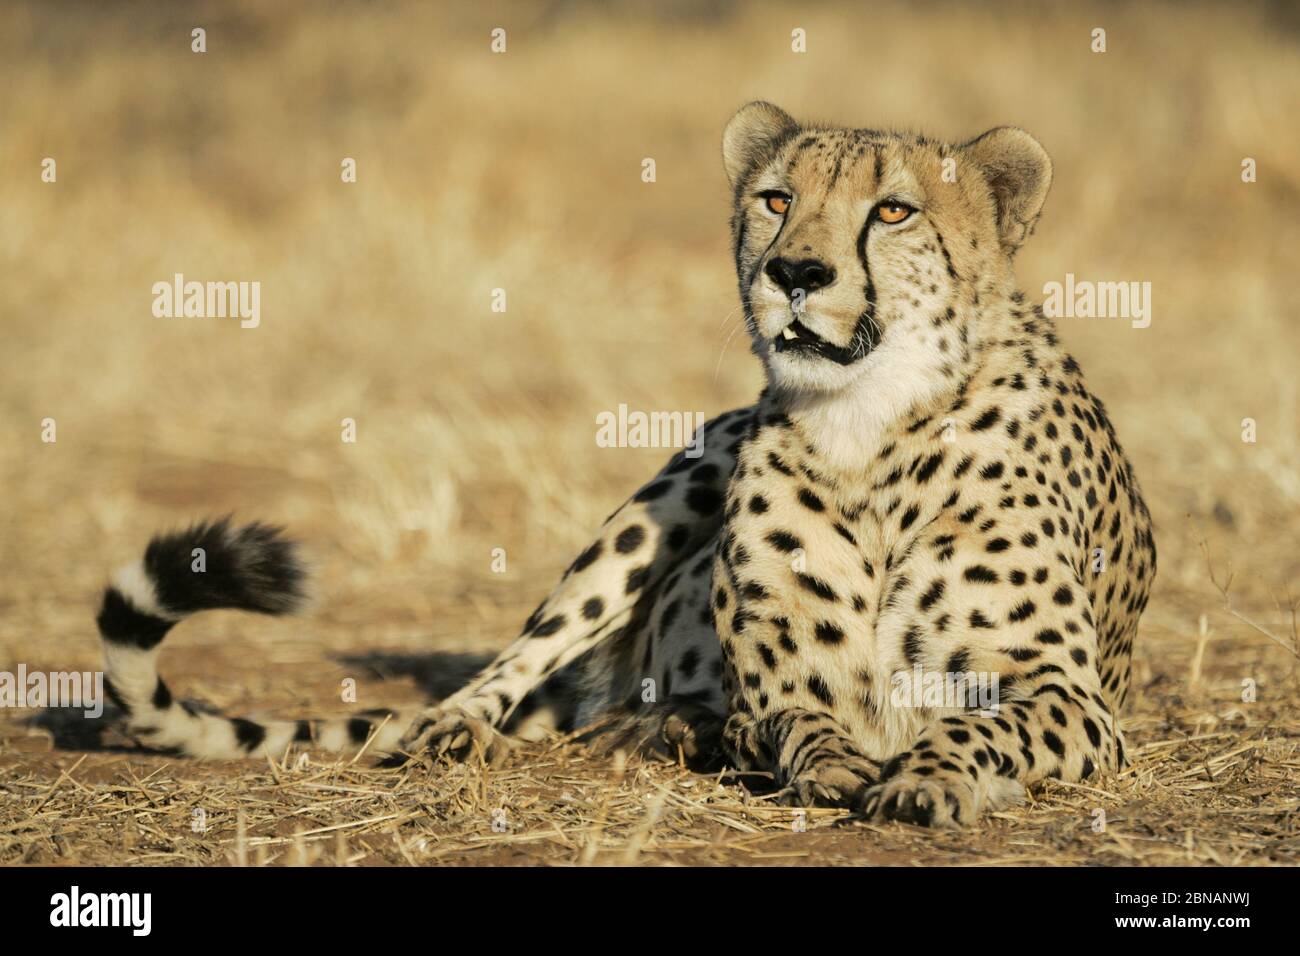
476, 429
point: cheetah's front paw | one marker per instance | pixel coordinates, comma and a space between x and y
939, 800
454, 736
837, 783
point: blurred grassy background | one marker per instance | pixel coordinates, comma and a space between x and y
522, 171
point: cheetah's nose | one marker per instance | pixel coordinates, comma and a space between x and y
807, 274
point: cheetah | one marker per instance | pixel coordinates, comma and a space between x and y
925, 486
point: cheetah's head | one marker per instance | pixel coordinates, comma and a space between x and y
857, 248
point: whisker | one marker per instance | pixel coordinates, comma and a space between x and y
727, 318
727, 344
722, 355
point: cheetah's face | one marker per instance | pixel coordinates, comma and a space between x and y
854, 243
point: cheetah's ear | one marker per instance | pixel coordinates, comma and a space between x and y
751, 135
1019, 172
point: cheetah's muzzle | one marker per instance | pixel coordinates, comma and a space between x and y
797, 339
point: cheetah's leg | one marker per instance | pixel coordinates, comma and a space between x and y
1049, 717
662, 684
814, 760
961, 766
599, 595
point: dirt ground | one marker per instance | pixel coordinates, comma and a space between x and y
476, 429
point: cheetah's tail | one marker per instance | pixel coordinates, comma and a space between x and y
251, 568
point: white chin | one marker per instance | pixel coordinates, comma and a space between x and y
809, 373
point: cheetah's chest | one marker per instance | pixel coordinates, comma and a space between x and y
809, 558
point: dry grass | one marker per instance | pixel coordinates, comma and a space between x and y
477, 429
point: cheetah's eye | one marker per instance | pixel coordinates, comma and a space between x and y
777, 202
892, 212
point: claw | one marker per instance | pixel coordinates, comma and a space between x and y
454, 736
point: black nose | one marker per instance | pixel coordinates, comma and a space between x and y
807, 274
